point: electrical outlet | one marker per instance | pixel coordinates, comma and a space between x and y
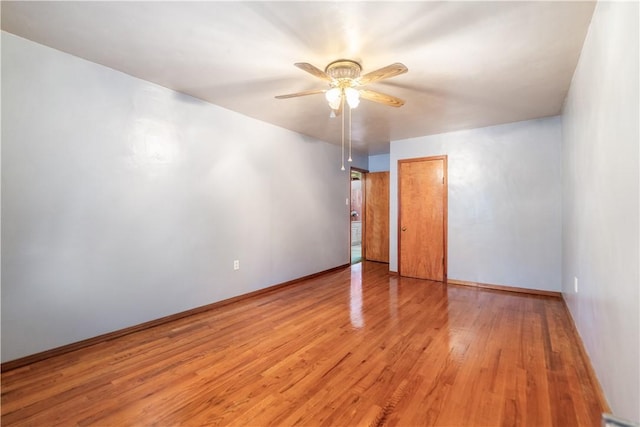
575, 285
236, 264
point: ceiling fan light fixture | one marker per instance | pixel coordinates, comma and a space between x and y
353, 97
334, 97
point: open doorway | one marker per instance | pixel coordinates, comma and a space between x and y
357, 215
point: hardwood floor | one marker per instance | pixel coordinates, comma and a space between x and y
353, 347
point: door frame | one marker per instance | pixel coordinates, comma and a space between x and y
363, 172
445, 204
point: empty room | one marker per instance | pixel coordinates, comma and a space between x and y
354, 213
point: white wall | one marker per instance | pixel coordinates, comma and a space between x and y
379, 163
123, 201
504, 202
600, 212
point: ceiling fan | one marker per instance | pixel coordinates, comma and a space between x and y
345, 83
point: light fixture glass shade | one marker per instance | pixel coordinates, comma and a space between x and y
334, 96
353, 97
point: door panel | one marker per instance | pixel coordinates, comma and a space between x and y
422, 195
377, 214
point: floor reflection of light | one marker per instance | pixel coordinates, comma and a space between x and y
393, 300
355, 299
457, 344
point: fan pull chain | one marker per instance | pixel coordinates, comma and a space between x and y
342, 102
350, 160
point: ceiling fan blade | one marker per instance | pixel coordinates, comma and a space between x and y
305, 66
303, 93
383, 73
382, 98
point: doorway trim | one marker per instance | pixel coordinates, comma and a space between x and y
363, 172
445, 212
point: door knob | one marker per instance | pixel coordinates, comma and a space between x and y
404, 228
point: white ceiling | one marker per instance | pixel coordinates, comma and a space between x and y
471, 64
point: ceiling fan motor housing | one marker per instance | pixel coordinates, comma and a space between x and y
344, 70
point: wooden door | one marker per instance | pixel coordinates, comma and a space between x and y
377, 214
422, 218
